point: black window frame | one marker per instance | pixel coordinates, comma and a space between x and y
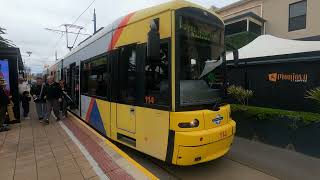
104, 55
290, 28
120, 65
253, 26
113, 65
237, 31
141, 50
205, 17
158, 106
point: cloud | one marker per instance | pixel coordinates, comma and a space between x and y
26, 21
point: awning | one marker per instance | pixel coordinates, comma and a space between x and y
267, 45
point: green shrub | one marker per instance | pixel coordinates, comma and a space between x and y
240, 94
314, 94
261, 113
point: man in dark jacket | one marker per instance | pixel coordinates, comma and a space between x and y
53, 95
37, 92
4, 101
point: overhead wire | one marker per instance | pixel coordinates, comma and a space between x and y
59, 39
74, 23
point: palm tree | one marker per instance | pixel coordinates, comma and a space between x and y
4, 42
314, 94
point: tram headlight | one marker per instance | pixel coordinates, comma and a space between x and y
193, 124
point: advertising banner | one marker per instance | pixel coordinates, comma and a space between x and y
4, 73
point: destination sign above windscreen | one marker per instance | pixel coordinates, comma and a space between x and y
195, 29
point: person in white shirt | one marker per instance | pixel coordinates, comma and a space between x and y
24, 91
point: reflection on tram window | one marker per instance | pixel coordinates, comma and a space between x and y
127, 73
199, 43
94, 77
156, 77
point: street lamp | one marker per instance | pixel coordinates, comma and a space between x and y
29, 53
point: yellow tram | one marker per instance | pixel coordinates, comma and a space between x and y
140, 82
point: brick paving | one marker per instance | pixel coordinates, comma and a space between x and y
114, 165
91, 143
31, 151
34, 151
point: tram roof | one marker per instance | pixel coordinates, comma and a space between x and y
138, 16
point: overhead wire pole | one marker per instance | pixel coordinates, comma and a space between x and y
94, 21
59, 39
56, 44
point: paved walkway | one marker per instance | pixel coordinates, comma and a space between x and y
33, 151
278, 162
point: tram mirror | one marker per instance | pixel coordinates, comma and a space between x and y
153, 44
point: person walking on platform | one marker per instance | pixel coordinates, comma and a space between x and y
4, 102
24, 92
65, 99
53, 95
37, 92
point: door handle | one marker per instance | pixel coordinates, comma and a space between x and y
132, 110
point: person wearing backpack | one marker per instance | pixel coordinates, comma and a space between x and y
37, 92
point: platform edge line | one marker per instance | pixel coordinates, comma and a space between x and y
84, 151
115, 148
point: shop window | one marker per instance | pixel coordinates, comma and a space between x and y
297, 15
255, 28
237, 27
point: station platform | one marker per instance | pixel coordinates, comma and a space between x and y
67, 149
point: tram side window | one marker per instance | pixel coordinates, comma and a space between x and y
127, 74
156, 77
95, 77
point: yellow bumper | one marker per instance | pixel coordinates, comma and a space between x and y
201, 146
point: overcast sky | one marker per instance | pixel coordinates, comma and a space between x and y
26, 20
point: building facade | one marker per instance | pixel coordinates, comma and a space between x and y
290, 19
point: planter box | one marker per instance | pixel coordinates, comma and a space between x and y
244, 126
280, 128
307, 139
277, 132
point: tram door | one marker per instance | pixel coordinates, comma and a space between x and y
126, 110
74, 85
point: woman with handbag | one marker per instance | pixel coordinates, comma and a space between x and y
38, 98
